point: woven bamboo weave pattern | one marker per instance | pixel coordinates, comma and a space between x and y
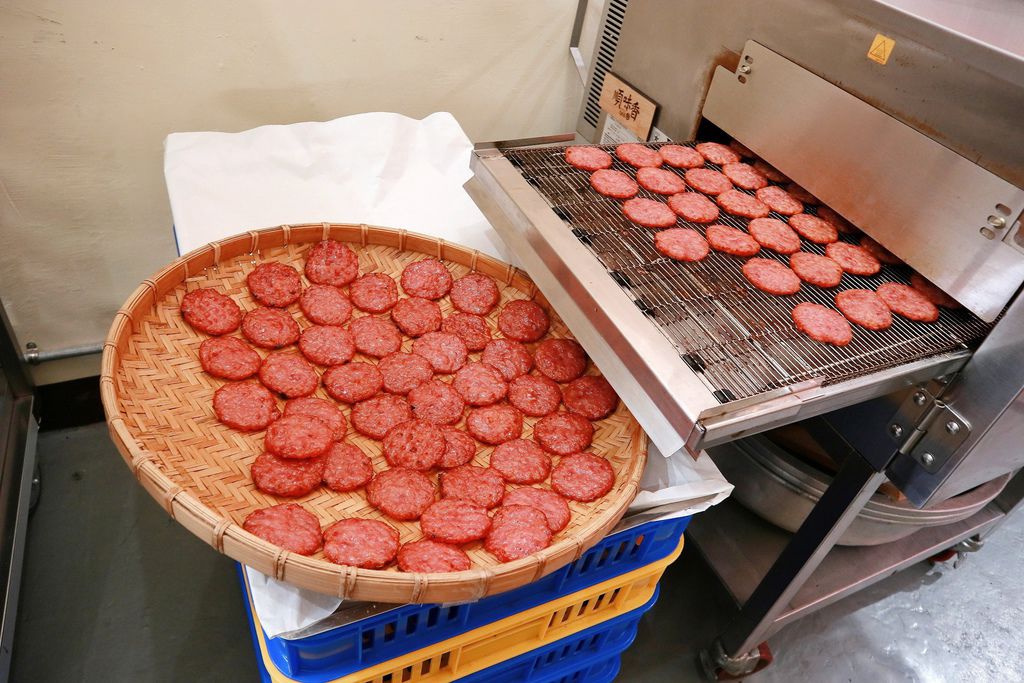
159, 407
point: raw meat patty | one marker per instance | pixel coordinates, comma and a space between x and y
403, 372
446, 352
660, 181
931, 292
374, 293
274, 284
853, 259
331, 263
865, 308
879, 252
364, 543
209, 311
321, 409
455, 521
436, 402
228, 358
681, 157
554, 506
614, 184
563, 433
521, 462
375, 336
717, 153
693, 207
583, 477
773, 234
638, 155
741, 149
731, 240
325, 305
826, 214
822, 324
375, 416
511, 358
400, 493
590, 396
480, 384
648, 212
771, 276
472, 328
479, 485
534, 396
245, 406
289, 374
327, 344
427, 279
908, 302
517, 532
430, 557
779, 201
745, 176
270, 328
587, 158
708, 181
297, 437
415, 316
740, 204
352, 382
459, 448
801, 194
288, 526
415, 444
347, 468
813, 228
495, 424
286, 478
563, 360
475, 293
681, 244
770, 172
523, 321
820, 271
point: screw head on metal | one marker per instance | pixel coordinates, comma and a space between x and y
927, 459
997, 222
920, 398
744, 68
952, 428
896, 430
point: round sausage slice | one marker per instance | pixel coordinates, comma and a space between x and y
521, 462
479, 485
446, 352
693, 207
416, 316
717, 153
323, 410
517, 532
554, 507
288, 374
298, 437
822, 324
638, 155
431, 557
590, 396
865, 308
415, 444
679, 156
331, 263
779, 201
436, 402
583, 476
352, 382
820, 271
228, 358
660, 181
472, 328
284, 477
908, 302
327, 344
730, 240
681, 244
563, 433
708, 181
347, 468
853, 259
455, 521
364, 543
771, 276
480, 384
475, 293
613, 183
375, 336
511, 358
428, 279
813, 228
741, 204
648, 212
534, 396
325, 305
495, 424
771, 233
745, 176
562, 360
270, 328
274, 284
459, 448
245, 406
403, 372
400, 493
375, 416
523, 321
209, 311
374, 293
587, 158
288, 526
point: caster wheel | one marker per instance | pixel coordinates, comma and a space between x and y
725, 668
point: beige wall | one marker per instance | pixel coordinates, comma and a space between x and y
90, 89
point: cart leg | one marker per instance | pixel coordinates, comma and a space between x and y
736, 651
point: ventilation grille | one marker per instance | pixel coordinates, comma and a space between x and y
604, 56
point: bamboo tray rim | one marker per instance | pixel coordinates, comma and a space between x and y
229, 538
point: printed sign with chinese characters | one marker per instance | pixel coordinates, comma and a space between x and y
627, 106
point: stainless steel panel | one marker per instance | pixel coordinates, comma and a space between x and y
740, 547
946, 82
923, 202
989, 394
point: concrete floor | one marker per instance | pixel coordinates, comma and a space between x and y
116, 591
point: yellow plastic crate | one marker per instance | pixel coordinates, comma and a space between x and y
505, 638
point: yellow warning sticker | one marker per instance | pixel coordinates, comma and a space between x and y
881, 48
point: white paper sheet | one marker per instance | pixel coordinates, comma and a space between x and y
382, 169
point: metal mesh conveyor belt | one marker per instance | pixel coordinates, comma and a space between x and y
741, 340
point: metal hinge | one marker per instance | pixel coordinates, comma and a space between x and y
928, 430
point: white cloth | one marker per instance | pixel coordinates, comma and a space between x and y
381, 169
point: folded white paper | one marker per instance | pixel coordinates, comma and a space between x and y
381, 169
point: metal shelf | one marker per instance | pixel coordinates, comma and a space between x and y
740, 547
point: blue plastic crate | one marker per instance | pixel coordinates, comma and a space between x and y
406, 628
590, 656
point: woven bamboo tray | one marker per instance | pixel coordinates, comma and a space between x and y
158, 403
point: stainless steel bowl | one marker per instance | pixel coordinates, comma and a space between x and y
781, 488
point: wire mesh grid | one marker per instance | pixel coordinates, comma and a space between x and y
740, 339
